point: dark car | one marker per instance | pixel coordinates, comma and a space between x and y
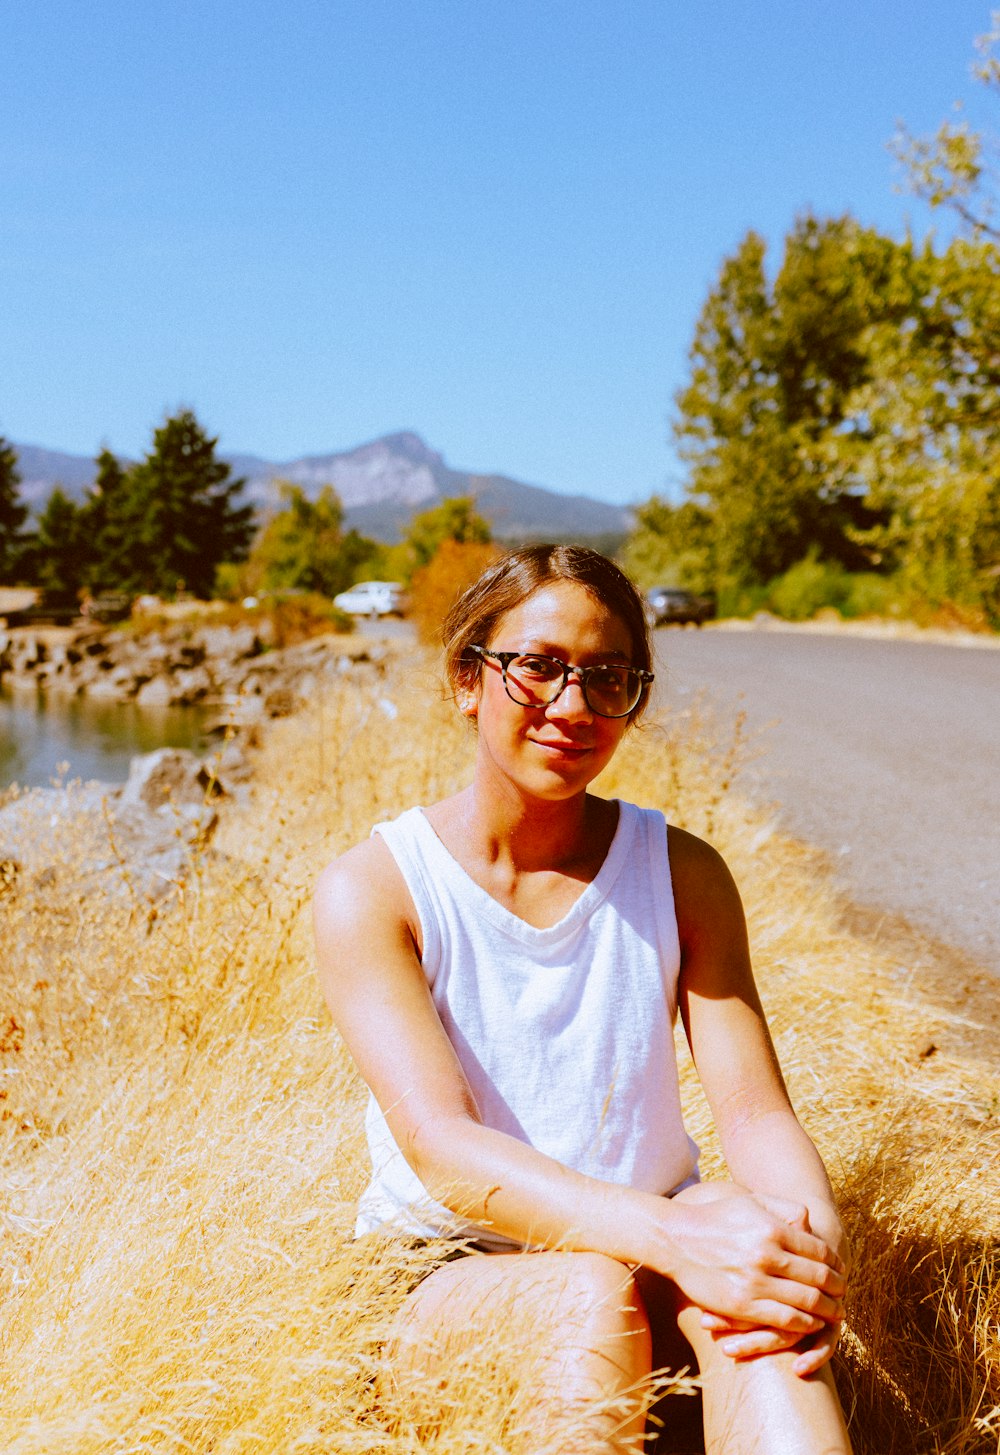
671, 604
110, 607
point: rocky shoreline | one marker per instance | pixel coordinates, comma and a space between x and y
237, 669
137, 839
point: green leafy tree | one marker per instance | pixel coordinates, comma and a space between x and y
671, 545
304, 545
927, 444
732, 426
773, 368
455, 519
13, 513
179, 512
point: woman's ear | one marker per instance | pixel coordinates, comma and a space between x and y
468, 701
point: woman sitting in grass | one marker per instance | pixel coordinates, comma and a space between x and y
505, 967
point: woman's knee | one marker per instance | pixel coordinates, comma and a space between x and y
589, 1295
598, 1333
600, 1293
702, 1192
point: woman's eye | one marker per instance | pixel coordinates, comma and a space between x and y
544, 668
608, 679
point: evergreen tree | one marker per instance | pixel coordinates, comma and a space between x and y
180, 512
58, 552
13, 513
108, 530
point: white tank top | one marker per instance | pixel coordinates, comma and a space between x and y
565, 1034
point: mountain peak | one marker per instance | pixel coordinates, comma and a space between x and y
412, 446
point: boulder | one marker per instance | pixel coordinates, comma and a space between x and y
158, 692
118, 685
168, 776
191, 684
280, 701
129, 841
229, 643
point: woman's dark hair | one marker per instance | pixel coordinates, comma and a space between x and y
475, 616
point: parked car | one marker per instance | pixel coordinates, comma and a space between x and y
372, 598
671, 604
110, 607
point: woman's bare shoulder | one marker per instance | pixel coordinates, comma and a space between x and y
359, 886
706, 899
694, 858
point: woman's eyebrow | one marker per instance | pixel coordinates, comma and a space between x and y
549, 650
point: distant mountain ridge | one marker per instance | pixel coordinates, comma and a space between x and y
381, 483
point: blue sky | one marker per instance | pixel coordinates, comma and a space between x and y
493, 223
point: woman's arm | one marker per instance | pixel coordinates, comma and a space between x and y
739, 1259
767, 1150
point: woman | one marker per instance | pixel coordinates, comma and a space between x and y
505, 967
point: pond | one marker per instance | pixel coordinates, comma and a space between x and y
47, 737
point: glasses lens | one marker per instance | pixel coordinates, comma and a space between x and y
612, 691
532, 681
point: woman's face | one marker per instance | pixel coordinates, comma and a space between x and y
551, 751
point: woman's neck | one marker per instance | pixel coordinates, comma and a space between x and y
529, 834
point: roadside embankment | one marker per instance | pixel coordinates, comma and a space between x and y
831, 623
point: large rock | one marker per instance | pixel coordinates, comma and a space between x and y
229, 643
131, 841
190, 684
155, 693
168, 776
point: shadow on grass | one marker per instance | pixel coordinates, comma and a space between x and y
919, 1369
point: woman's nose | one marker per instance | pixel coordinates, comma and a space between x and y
571, 700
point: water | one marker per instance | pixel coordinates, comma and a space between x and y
45, 737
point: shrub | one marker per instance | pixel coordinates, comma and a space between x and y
433, 589
807, 587
280, 620
872, 595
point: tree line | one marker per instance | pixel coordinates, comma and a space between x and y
161, 525
173, 522
840, 420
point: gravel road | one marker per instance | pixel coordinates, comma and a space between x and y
885, 753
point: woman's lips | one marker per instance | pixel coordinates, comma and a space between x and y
566, 750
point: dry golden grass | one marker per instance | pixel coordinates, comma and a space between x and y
181, 1143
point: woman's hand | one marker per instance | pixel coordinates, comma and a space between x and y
753, 1263
742, 1340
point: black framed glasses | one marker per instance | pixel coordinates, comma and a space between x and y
534, 680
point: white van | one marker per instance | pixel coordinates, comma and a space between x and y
372, 598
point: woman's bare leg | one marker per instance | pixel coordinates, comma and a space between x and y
761, 1406
750, 1407
589, 1341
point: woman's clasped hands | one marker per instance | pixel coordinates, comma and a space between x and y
762, 1278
